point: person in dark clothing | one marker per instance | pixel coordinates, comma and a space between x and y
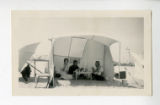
74, 67
26, 73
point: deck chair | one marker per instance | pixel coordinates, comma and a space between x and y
40, 73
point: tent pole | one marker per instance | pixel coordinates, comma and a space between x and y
119, 64
50, 62
34, 69
52, 57
70, 49
84, 51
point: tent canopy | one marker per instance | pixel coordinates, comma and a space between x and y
74, 46
87, 48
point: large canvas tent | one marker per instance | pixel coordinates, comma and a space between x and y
87, 49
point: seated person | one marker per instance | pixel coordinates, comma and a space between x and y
65, 66
74, 67
63, 71
97, 71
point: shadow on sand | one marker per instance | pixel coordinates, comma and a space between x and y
32, 80
74, 83
90, 83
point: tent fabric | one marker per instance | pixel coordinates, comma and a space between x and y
43, 49
101, 39
77, 44
94, 52
86, 48
62, 46
108, 64
25, 53
66, 46
105, 41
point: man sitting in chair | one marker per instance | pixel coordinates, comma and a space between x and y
73, 67
97, 71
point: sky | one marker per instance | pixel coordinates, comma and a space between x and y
128, 31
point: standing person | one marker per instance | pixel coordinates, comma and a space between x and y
97, 71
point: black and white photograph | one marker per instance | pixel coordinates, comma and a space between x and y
81, 52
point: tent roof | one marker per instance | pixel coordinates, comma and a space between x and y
73, 46
101, 39
63, 49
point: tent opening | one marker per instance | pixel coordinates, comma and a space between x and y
84, 49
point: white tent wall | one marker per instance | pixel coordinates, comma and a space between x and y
77, 47
94, 51
69, 46
62, 46
108, 65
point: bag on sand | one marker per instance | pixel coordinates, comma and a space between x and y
26, 73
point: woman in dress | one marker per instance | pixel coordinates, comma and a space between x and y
64, 70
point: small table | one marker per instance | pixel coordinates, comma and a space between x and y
89, 74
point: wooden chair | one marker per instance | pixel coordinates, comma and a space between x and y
38, 73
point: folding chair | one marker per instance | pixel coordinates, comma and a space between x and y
40, 73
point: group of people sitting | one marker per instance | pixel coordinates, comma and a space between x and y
68, 72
